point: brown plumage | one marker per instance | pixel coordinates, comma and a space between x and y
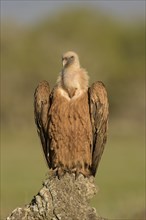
72, 120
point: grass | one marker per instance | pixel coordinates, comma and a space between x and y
120, 176
121, 179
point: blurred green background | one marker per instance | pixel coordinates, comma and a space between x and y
112, 49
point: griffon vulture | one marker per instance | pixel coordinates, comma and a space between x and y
72, 119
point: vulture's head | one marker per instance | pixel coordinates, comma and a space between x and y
70, 58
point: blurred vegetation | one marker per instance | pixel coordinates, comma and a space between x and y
111, 51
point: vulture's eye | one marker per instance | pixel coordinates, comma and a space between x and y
72, 57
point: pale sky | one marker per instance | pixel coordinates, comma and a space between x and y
29, 11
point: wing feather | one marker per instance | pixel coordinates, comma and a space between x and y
99, 118
41, 107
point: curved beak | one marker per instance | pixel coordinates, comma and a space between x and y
64, 61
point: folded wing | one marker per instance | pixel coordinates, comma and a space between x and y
99, 118
41, 107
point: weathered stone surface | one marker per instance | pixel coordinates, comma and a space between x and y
61, 199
